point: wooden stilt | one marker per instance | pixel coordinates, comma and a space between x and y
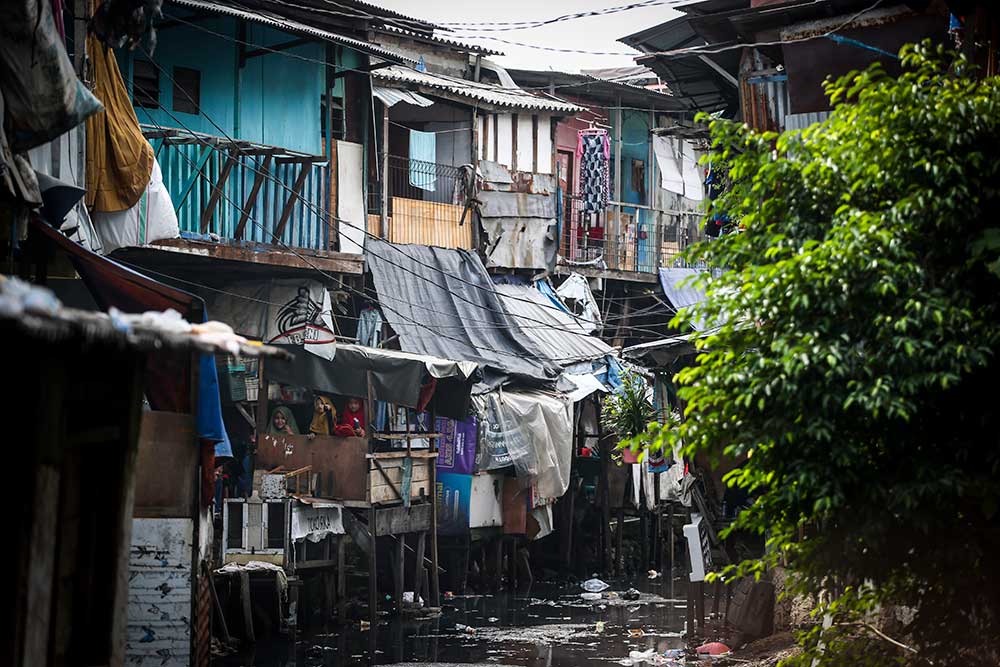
248, 632
512, 563
699, 600
341, 579
689, 611
619, 534
418, 566
372, 571
716, 596
399, 567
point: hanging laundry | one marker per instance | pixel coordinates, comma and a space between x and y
119, 159
150, 219
668, 160
423, 156
594, 155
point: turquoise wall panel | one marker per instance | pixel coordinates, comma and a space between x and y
195, 48
280, 93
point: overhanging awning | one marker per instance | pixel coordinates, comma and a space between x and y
397, 377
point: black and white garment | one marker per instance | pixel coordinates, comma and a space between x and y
594, 153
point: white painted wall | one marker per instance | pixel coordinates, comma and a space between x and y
505, 140
544, 147
525, 144
350, 197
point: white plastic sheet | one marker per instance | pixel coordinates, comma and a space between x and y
537, 431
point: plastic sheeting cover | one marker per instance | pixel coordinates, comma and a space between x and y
536, 429
681, 294
443, 303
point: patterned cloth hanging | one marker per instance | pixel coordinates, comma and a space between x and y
594, 154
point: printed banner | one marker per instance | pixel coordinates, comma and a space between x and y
290, 312
316, 522
457, 445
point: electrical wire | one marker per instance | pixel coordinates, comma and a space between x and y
503, 26
322, 213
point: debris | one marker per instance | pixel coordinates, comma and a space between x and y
674, 653
594, 586
631, 594
635, 657
365, 625
599, 627
448, 595
634, 608
592, 597
467, 629
635, 633
713, 648
492, 619
653, 574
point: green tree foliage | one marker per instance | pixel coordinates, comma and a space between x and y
856, 362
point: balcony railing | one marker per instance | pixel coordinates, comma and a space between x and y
626, 238
424, 204
245, 192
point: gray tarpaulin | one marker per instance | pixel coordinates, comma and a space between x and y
564, 338
396, 376
442, 303
533, 431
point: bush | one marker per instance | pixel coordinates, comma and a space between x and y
856, 361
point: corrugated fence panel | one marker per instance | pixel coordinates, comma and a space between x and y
159, 593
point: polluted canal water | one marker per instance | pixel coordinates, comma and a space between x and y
547, 625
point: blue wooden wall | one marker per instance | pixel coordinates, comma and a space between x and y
274, 99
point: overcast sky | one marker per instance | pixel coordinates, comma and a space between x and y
589, 34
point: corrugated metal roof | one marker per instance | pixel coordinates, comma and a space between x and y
557, 333
471, 91
444, 41
282, 23
393, 96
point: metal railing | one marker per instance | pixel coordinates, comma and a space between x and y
626, 238
424, 204
246, 193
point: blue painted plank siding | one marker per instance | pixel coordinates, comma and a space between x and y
275, 99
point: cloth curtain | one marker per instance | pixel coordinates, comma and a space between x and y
423, 156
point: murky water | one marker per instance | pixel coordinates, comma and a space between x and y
547, 626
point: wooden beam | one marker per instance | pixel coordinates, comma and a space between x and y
293, 196
534, 143
252, 198
209, 212
260, 254
284, 46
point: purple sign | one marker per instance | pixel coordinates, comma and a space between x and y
457, 445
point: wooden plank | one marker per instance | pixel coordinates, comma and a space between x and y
342, 459
265, 254
534, 143
383, 456
206, 153
372, 575
294, 196
217, 190
167, 458
398, 520
385, 477
428, 223
261, 171
404, 436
